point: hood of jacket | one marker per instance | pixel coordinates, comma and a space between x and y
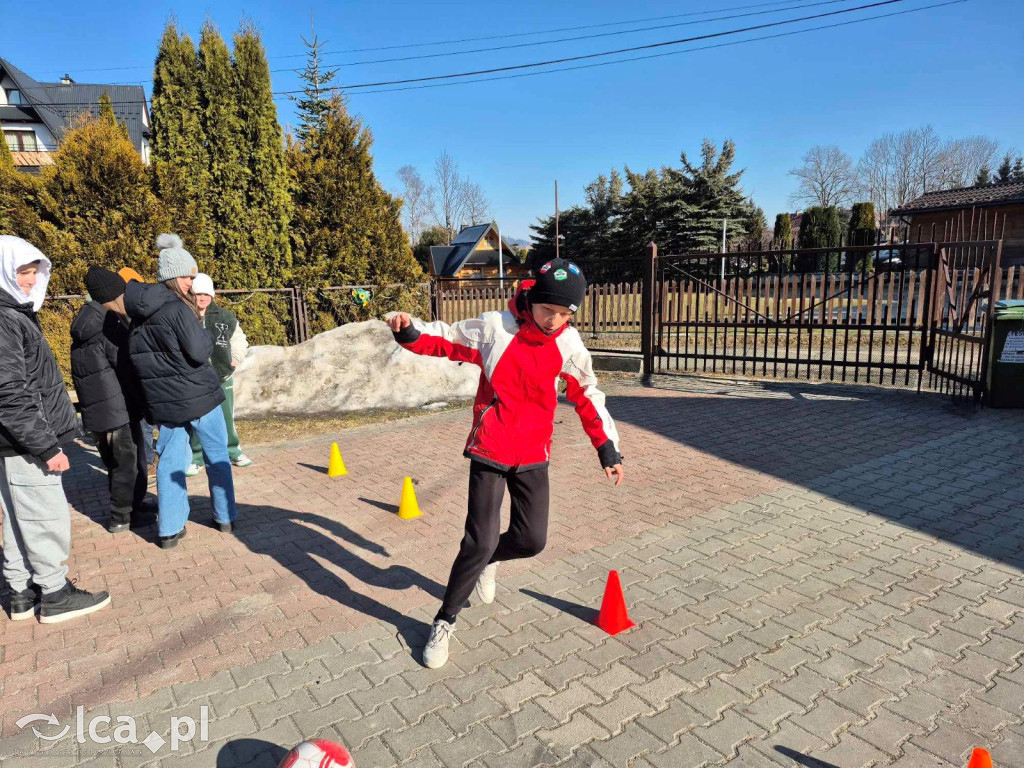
14, 254
89, 322
143, 300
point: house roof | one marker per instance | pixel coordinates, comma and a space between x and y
55, 104
965, 197
449, 259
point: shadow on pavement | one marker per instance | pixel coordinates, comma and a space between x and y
583, 613
917, 459
250, 753
299, 540
804, 760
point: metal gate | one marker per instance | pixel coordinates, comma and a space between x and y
959, 337
909, 315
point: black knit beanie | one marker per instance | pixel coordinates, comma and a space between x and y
559, 282
103, 285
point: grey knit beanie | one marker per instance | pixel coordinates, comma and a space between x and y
174, 260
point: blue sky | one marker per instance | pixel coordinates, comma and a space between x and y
959, 68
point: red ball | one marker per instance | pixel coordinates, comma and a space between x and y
318, 753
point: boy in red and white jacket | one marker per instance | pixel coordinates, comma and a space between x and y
522, 353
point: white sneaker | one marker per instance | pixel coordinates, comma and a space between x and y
241, 460
193, 470
435, 653
485, 584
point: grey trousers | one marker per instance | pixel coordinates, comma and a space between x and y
37, 524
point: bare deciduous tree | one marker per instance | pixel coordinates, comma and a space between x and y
899, 167
964, 158
476, 205
450, 207
827, 177
417, 196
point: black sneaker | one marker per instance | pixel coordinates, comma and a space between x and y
118, 522
24, 603
70, 603
224, 527
170, 542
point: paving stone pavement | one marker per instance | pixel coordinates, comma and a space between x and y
835, 572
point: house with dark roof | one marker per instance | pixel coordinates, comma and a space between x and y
35, 115
474, 253
939, 211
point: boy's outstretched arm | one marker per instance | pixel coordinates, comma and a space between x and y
582, 391
459, 342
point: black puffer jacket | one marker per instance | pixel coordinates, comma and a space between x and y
170, 350
107, 387
36, 415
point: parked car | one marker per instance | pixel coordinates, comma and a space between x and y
888, 259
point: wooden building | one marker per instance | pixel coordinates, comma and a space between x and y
981, 207
474, 254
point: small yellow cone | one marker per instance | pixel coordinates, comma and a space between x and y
408, 509
336, 467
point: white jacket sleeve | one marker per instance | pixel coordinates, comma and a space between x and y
239, 344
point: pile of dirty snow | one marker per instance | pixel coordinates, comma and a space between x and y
355, 367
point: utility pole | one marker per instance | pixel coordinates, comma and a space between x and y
724, 221
501, 263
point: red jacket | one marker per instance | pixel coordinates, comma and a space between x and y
514, 412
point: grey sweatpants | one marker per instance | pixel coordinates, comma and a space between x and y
37, 524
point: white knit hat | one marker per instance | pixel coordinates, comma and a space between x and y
203, 284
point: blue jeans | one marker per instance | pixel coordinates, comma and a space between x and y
176, 454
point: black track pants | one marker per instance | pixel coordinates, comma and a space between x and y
526, 535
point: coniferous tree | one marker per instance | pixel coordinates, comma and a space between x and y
1005, 171
756, 232
1017, 175
820, 228
97, 205
710, 194
315, 103
984, 177
783, 234
345, 226
436, 235
862, 229
180, 160
265, 257
574, 226
225, 198
19, 199
107, 109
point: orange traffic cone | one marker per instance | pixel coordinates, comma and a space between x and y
336, 466
980, 758
613, 617
408, 507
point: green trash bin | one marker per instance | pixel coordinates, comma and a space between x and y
1006, 357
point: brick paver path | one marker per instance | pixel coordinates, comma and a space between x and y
830, 571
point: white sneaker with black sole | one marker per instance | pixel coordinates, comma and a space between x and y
485, 584
435, 653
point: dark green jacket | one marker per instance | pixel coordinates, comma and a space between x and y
221, 324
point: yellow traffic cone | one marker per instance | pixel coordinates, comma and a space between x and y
336, 467
408, 508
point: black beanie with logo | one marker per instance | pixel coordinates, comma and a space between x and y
559, 282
